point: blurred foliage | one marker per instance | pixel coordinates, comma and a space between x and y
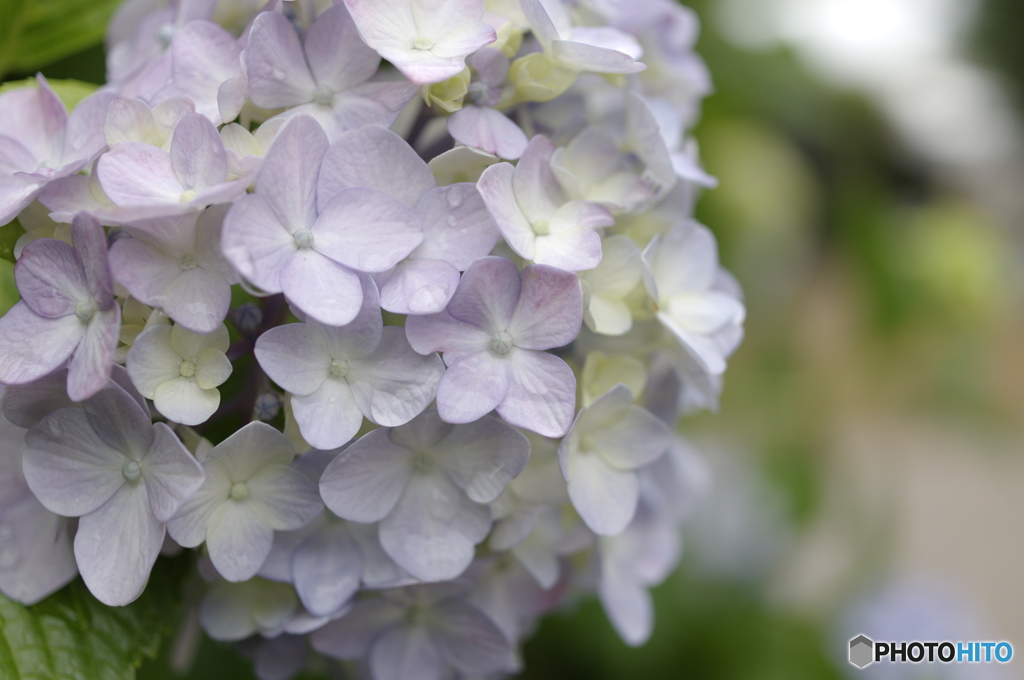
36, 33
72, 636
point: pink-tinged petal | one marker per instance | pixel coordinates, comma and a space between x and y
197, 153
288, 176
69, 195
327, 568
442, 333
275, 65
582, 57
90, 365
460, 43
541, 394
256, 243
365, 481
26, 405
51, 278
457, 228
604, 496
197, 299
329, 417
536, 189
433, 529
496, 187
575, 249
172, 474
39, 117
366, 230
69, 468
15, 196
31, 345
337, 55
374, 158
136, 174
418, 287
488, 129
295, 356
473, 386
90, 241
550, 308
14, 157
390, 96
173, 234
325, 290
491, 66
238, 540
84, 137
231, 97
394, 384
119, 420
487, 294
117, 545
361, 336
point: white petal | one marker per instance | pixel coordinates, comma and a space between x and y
482, 457
188, 527
605, 497
330, 416
406, 652
238, 540
183, 401
327, 568
284, 498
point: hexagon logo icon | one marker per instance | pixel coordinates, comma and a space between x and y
861, 651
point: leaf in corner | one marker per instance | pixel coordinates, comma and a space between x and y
72, 636
34, 33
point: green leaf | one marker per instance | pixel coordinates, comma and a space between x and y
72, 636
34, 33
9, 235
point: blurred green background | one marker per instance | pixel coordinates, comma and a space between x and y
867, 454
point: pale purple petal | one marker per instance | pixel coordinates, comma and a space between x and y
327, 568
374, 158
256, 243
330, 416
365, 481
275, 65
284, 498
251, 449
394, 384
584, 57
541, 394
171, 473
366, 230
198, 299
288, 176
143, 269
487, 294
337, 55
350, 636
119, 420
473, 386
406, 652
432, 531
441, 332
90, 365
470, 640
536, 189
136, 174
203, 56
488, 129
457, 228
197, 153
325, 290
117, 545
69, 468
605, 497
418, 286
549, 312
295, 356
238, 540
51, 278
482, 457
31, 346
496, 188
90, 241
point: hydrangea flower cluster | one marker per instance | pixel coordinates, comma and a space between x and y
451, 245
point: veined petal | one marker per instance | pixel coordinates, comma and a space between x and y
471, 641
337, 56
488, 129
51, 278
295, 356
251, 449
442, 333
327, 568
188, 526
457, 228
327, 291
604, 496
365, 481
183, 401
482, 457
136, 174
394, 384
366, 230
256, 242
238, 539
91, 363
496, 187
284, 498
329, 417
171, 473
418, 287
549, 311
473, 386
288, 176
541, 395
275, 65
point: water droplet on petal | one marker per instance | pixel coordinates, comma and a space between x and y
455, 197
452, 220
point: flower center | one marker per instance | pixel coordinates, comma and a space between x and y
131, 471
239, 491
339, 368
501, 342
422, 43
188, 196
303, 238
323, 95
85, 310
189, 262
422, 463
541, 228
187, 369
588, 443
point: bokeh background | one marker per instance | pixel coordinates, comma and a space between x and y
867, 462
